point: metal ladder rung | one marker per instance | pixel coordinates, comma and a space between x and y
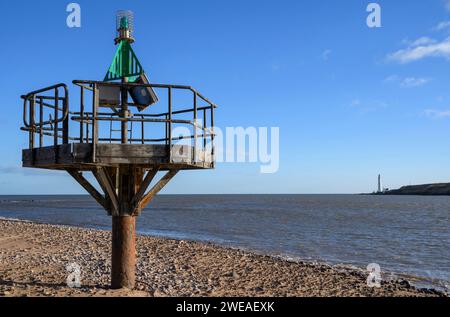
111, 130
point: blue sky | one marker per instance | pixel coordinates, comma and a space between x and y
350, 101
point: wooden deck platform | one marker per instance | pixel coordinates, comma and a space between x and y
147, 156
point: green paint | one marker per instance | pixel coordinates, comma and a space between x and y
125, 63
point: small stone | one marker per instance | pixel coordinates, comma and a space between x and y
405, 283
141, 287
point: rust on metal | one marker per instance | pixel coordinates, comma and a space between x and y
123, 261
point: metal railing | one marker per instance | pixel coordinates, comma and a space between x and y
37, 124
89, 120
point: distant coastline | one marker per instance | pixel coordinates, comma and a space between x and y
440, 189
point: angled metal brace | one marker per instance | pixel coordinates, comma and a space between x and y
108, 188
143, 187
157, 188
78, 176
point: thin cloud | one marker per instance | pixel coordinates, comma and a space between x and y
415, 53
275, 67
442, 26
326, 55
447, 4
391, 79
419, 42
414, 82
408, 82
437, 114
368, 106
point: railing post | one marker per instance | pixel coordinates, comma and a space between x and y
65, 123
142, 130
55, 126
170, 124
94, 121
204, 130
32, 123
167, 130
131, 132
87, 129
194, 158
82, 114
212, 136
41, 119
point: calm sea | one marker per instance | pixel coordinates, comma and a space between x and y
409, 235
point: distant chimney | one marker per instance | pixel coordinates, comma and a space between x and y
379, 183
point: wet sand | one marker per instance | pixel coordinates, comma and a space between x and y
33, 260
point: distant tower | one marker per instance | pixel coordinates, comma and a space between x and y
379, 183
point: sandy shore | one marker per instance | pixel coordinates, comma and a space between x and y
33, 260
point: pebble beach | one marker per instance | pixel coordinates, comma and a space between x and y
34, 259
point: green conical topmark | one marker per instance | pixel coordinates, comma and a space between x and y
125, 64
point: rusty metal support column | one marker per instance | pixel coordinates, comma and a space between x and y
123, 262
124, 113
123, 273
